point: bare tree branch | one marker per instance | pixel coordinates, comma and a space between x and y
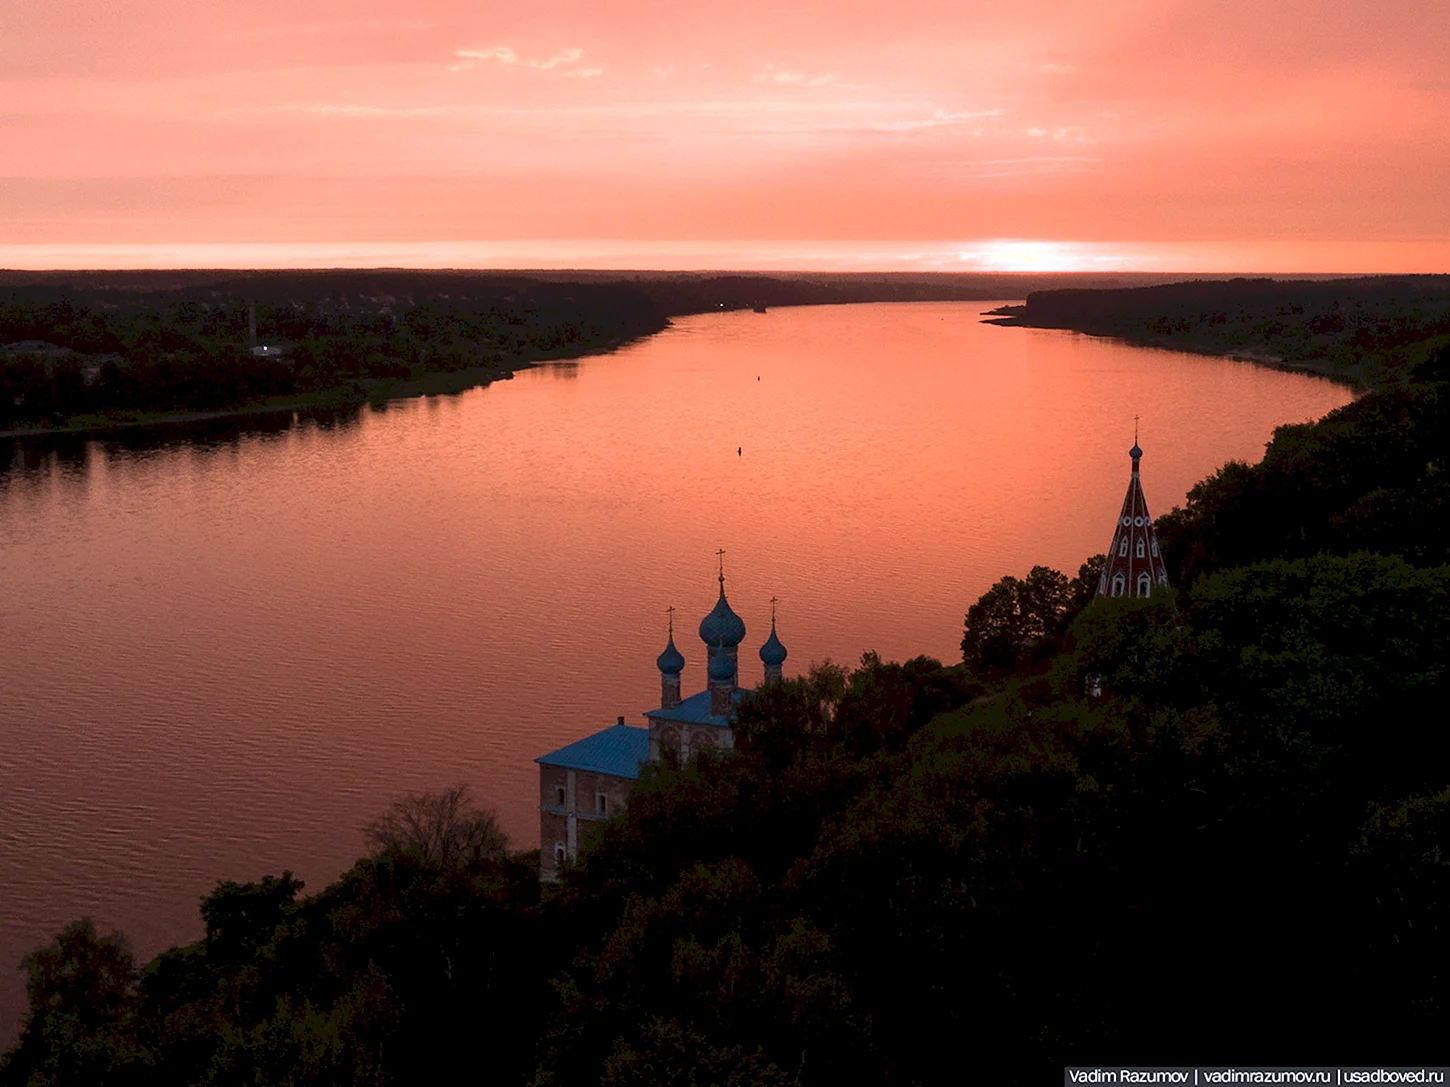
443, 828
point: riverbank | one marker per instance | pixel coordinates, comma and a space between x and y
353, 394
1367, 332
1359, 376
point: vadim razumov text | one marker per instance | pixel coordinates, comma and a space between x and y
1210, 1076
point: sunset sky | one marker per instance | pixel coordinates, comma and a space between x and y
1214, 135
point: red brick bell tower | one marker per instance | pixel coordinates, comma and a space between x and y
1134, 566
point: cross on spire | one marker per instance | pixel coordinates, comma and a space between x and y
721, 555
1135, 430
772, 613
671, 611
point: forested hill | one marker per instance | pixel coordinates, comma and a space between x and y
1370, 329
96, 349
1206, 827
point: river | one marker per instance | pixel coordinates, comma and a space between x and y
223, 652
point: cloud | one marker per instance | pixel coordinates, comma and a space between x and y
1071, 134
329, 109
787, 77
509, 59
938, 119
800, 79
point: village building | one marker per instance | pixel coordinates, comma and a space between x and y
589, 780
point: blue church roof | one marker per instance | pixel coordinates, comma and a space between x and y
722, 626
671, 662
695, 710
617, 750
772, 653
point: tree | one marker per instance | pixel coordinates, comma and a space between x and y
442, 828
82, 995
1084, 587
1014, 620
242, 917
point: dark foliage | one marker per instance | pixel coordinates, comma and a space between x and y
410, 966
1018, 625
1370, 476
129, 344
1377, 327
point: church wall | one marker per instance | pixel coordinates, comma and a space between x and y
707, 737
589, 786
553, 827
686, 738
568, 822
551, 779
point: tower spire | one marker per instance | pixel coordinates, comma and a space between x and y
1134, 567
772, 653
722, 630
670, 663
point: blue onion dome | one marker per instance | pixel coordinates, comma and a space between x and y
722, 626
671, 662
772, 653
1135, 452
722, 668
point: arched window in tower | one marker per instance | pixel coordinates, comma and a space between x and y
1145, 585
1123, 545
1155, 547
560, 854
1120, 584
1141, 551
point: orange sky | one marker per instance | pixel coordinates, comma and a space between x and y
1270, 135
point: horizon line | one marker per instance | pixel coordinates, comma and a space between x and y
982, 256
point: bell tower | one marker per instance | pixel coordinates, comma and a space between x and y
1134, 565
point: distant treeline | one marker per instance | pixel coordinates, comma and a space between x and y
107, 348
1373, 328
1210, 826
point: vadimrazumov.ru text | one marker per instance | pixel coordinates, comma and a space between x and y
1338, 1077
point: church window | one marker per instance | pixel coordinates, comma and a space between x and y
1119, 584
603, 803
1140, 547
560, 853
559, 795
1123, 545
1155, 547
1145, 585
